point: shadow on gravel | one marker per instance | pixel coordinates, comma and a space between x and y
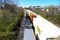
17, 26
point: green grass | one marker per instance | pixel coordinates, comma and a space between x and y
5, 33
8, 21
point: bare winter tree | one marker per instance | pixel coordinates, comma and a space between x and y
3, 3
0, 3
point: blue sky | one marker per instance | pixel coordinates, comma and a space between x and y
27, 3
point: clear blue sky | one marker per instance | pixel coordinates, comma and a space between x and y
26, 3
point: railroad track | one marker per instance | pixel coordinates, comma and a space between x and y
26, 24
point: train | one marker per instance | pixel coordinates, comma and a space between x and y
43, 29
